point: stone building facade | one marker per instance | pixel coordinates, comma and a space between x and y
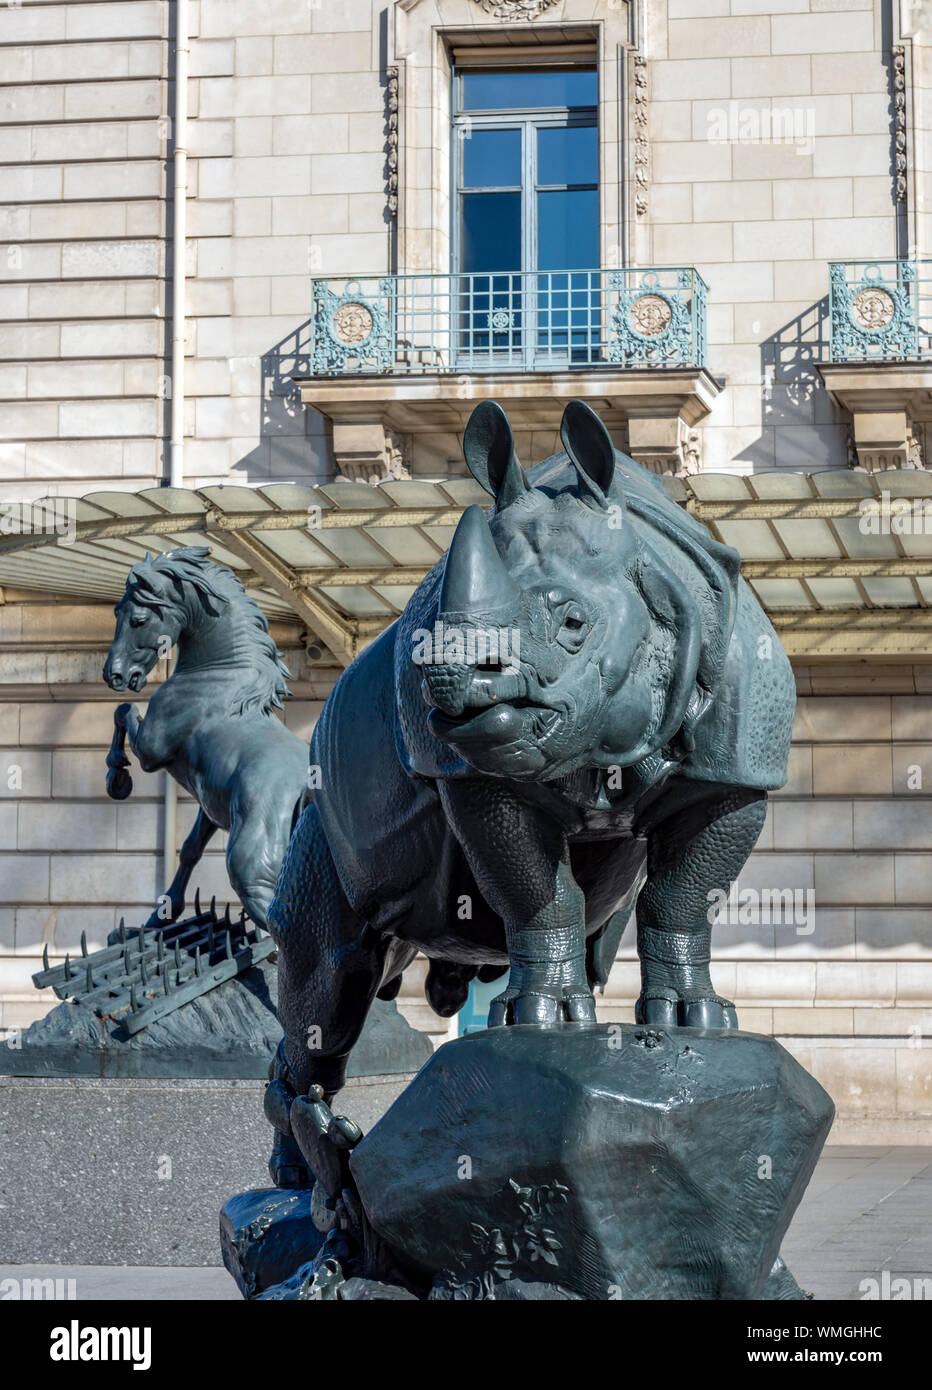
742, 148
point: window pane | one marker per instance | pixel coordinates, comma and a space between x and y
568, 230
490, 231
491, 158
494, 90
568, 154
569, 315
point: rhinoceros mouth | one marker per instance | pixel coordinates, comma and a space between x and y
504, 722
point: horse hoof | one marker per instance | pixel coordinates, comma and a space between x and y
119, 784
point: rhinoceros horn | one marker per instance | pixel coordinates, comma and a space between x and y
489, 448
591, 452
475, 580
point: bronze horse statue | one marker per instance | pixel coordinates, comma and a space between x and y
211, 725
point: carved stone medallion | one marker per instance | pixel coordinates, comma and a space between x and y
873, 308
650, 314
352, 322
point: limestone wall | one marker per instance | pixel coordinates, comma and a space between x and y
769, 150
83, 140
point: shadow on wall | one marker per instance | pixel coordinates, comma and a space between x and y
801, 428
295, 442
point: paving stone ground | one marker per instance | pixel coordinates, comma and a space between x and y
867, 1211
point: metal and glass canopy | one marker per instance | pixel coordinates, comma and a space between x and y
841, 560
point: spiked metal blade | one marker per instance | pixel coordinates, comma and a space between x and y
143, 977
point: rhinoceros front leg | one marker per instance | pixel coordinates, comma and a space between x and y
520, 862
702, 849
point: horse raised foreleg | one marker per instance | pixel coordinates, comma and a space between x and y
126, 721
191, 852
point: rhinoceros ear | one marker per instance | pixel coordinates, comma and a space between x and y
489, 447
590, 450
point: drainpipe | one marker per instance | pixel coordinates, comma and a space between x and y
176, 447
169, 831
179, 243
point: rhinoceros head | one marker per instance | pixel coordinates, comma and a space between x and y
563, 640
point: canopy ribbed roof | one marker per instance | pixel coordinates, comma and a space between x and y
344, 557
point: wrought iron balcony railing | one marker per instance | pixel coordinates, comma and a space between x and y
508, 321
880, 311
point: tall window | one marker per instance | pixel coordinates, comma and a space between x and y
526, 232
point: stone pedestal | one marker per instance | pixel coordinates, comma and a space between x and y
132, 1171
583, 1161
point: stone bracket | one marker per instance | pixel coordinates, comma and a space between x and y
368, 451
664, 443
890, 404
415, 423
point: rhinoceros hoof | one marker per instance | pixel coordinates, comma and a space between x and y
670, 1011
277, 1103
542, 1005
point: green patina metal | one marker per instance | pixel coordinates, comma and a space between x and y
144, 976
526, 320
879, 310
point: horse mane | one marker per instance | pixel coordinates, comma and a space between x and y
188, 576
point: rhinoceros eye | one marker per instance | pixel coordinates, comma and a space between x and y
573, 628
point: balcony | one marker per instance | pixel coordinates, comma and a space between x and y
880, 311
880, 357
508, 321
398, 361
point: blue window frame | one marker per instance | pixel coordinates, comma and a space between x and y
526, 214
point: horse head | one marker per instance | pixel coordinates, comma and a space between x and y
166, 595
184, 597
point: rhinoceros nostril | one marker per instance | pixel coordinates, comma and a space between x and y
494, 686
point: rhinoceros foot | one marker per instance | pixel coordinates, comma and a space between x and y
670, 1009
542, 1004
287, 1167
543, 991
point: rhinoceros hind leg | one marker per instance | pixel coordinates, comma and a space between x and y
330, 964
